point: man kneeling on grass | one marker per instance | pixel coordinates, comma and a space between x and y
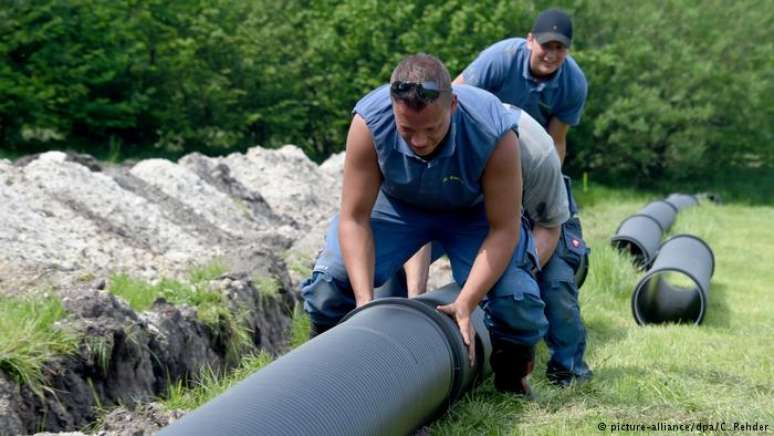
428, 162
559, 242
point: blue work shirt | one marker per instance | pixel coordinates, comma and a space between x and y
503, 69
452, 178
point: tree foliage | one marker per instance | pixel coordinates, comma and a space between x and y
677, 87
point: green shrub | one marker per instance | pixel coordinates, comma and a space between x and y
671, 94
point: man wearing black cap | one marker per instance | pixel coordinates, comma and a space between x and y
537, 75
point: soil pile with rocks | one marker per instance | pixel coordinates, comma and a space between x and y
69, 223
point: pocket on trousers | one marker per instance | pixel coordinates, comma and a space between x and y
514, 284
572, 246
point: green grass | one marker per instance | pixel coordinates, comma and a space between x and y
720, 371
141, 295
747, 185
29, 337
228, 325
739, 184
211, 383
298, 263
300, 328
193, 291
101, 348
267, 286
209, 271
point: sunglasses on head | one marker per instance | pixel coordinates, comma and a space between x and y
426, 91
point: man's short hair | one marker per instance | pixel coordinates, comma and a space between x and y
421, 68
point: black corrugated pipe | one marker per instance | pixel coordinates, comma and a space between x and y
389, 367
662, 211
639, 235
676, 288
682, 201
709, 196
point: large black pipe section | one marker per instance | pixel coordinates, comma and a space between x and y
709, 196
676, 287
388, 368
639, 235
662, 211
682, 201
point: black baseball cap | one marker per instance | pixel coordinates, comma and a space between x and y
553, 25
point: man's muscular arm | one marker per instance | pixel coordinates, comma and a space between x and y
362, 178
558, 131
502, 184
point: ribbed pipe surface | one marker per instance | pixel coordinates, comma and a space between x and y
676, 287
639, 235
387, 369
682, 201
662, 211
467, 376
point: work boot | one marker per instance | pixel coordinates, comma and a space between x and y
564, 378
512, 363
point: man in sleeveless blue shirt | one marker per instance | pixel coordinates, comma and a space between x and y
426, 162
537, 75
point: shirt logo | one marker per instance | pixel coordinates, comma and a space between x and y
575, 243
451, 179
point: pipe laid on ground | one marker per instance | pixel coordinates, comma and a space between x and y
709, 196
639, 235
676, 287
662, 211
389, 367
682, 201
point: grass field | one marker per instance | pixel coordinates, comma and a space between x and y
714, 374
709, 377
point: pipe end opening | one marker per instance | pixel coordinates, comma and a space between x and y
639, 255
668, 297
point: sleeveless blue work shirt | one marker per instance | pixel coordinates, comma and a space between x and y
452, 178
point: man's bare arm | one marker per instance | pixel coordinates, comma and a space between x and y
546, 239
558, 131
460, 80
502, 184
362, 178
